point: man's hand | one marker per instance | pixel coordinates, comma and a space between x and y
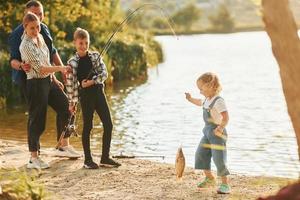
87, 83
25, 67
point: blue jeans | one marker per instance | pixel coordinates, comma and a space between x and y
212, 146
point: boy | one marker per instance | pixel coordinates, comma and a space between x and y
92, 96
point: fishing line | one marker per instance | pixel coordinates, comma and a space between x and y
129, 17
124, 22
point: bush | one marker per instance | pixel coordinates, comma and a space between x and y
9, 92
127, 61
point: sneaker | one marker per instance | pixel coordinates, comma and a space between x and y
109, 163
37, 163
67, 151
207, 182
33, 163
43, 164
223, 189
90, 165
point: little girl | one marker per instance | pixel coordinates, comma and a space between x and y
213, 142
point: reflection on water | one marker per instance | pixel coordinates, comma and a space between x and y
153, 117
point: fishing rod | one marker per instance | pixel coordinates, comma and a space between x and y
139, 156
70, 129
108, 44
122, 156
129, 16
120, 26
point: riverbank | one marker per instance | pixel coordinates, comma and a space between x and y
245, 28
135, 179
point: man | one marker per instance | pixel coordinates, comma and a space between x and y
57, 98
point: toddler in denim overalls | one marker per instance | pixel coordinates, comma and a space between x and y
213, 142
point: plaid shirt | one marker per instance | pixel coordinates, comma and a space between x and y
72, 84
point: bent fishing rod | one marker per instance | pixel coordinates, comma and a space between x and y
123, 23
72, 121
138, 156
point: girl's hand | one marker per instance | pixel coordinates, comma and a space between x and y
188, 95
87, 83
219, 131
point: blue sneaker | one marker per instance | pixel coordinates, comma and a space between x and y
223, 189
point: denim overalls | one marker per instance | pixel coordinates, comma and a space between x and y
211, 146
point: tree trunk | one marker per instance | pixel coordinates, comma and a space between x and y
282, 30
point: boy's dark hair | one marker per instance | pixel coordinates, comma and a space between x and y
33, 3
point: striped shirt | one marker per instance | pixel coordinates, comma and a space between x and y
99, 70
35, 56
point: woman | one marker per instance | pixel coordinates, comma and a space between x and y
34, 51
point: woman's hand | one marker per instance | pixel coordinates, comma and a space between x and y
43, 71
65, 69
87, 83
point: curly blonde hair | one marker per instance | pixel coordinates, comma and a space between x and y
212, 81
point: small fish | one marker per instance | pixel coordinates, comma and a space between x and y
179, 164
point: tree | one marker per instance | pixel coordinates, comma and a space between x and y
282, 30
160, 23
222, 21
187, 16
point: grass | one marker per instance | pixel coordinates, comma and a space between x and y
19, 185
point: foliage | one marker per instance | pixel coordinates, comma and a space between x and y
160, 23
155, 16
101, 18
222, 21
186, 16
10, 16
17, 185
9, 92
131, 65
130, 59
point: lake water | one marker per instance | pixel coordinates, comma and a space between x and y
153, 118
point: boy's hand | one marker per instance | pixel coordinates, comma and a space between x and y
72, 109
87, 83
188, 95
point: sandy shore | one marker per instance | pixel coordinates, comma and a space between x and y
135, 179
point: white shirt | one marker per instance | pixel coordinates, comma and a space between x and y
35, 56
217, 109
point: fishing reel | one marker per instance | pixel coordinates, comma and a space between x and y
71, 129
